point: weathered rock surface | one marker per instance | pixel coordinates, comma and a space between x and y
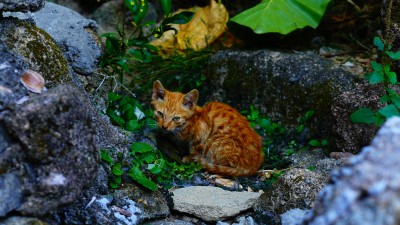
283, 85
11, 68
36, 48
348, 136
47, 133
18, 220
75, 35
21, 5
316, 159
212, 203
390, 13
10, 193
297, 188
151, 204
366, 190
293, 217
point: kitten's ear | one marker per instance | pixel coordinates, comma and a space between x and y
190, 99
158, 91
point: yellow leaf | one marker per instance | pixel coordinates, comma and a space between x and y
207, 24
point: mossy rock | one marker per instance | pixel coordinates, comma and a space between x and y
38, 50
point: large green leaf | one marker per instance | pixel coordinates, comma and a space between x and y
363, 115
139, 177
282, 16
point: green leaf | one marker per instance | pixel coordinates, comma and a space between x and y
141, 12
396, 100
390, 91
115, 119
378, 43
376, 66
363, 115
113, 96
385, 98
166, 6
123, 63
324, 142
300, 128
375, 77
132, 5
392, 77
132, 125
148, 157
117, 179
117, 169
393, 55
379, 120
139, 177
105, 156
180, 18
309, 114
282, 16
389, 111
314, 143
154, 169
141, 147
113, 185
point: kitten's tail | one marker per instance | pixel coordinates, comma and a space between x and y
227, 170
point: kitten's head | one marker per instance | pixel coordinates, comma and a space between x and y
172, 109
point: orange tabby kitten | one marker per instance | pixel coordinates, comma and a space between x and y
220, 138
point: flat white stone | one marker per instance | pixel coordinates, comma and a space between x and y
212, 203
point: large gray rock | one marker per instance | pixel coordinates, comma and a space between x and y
212, 203
366, 190
282, 85
21, 5
75, 35
52, 148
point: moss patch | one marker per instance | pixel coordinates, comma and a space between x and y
37, 49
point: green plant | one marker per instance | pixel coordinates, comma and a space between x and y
145, 161
127, 113
117, 171
280, 141
122, 50
180, 72
282, 16
381, 74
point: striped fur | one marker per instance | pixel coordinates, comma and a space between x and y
220, 138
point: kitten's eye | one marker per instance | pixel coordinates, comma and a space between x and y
160, 114
176, 118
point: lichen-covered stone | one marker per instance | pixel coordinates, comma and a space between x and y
21, 5
37, 49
